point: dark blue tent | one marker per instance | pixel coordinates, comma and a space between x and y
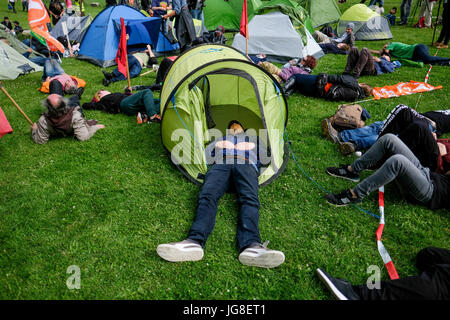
101, 40
141, 31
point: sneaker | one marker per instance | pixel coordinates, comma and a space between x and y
107, 75
136, 88
156, 118
341, 289
342, 172
329, 132
106, 82
341, 199
141, 118
347, 148
186, 250
442, 46
258, 255
79, 92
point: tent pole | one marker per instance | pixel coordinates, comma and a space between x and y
15, 104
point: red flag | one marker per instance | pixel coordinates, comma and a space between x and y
121, 56
244, 23
4, 124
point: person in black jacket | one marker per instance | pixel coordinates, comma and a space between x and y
331, 87
335, 48
141, 104
433, 283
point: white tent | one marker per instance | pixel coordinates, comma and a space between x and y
274, 35
13, 64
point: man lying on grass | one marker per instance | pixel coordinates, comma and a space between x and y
63, 117
419, 184
236, 159
141, 104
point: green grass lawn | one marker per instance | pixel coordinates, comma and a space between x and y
105, 204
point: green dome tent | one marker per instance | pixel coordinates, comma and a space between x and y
227, 13
207, 87
321, 11
369, 25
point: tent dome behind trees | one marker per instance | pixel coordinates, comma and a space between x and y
369, 25
227, 13
274, 35
207, 87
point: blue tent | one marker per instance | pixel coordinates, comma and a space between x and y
101, 40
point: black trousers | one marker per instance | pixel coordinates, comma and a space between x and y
433, 282
444, 36
413, 129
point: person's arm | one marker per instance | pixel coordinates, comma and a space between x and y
40, 131
82, 131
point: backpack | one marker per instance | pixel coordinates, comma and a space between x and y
347, 117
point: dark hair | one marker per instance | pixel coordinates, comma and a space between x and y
368, 89
310, 62
233, 122
385, 53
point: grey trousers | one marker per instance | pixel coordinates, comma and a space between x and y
405, 9
401, 166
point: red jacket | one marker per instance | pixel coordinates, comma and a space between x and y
444, 161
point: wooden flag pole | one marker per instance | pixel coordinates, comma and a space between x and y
15, 104
128, 69
66, 32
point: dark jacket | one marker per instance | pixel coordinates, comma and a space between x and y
343, 87
109, 103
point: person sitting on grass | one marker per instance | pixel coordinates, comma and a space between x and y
140, 104
304, 66
362, 63
348, 37
235, 160
136, 62
391, 16
417, 53
335, 48
331, 87
397, 163
63, 118
432, 283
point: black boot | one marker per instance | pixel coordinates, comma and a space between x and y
289, 87
107, 75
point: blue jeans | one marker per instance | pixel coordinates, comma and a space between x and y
422, 54
364, 137
51, 68
401, 166
217, 180
141, 101
133, 65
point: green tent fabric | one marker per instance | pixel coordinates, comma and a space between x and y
321, 11
207, 87
369, 25
13, 64
15, 43
298, 15
227, 13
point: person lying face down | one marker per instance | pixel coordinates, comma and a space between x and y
63, 117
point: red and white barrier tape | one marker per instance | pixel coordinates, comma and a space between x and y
381, 249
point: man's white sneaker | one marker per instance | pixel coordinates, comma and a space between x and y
259, 256
186, 250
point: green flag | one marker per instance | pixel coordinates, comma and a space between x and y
40, 38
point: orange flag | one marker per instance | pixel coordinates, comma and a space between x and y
402, 89
38, 19
244, 22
